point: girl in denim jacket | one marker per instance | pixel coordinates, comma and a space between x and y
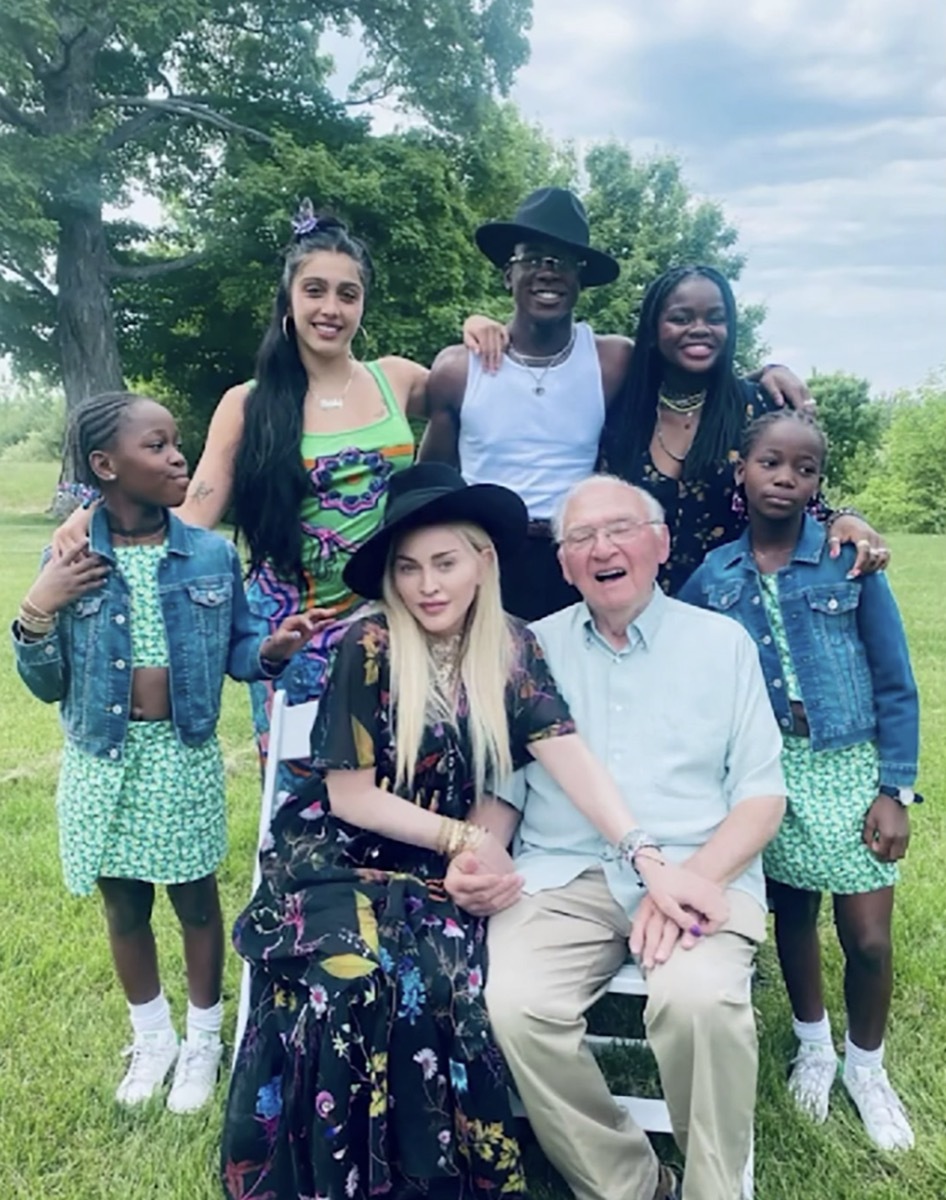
835, 657
133, 637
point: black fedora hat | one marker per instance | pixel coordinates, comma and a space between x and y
550, 214
435, 494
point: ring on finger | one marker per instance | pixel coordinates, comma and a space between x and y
863, 542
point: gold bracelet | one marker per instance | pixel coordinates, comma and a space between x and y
445, 835
39, 626
39, 613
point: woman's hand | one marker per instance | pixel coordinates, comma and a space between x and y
488, 339
66, 578
675, 889
477, 890
295, 632
74, 531
886, 831
872, 552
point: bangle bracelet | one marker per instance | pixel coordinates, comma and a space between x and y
837, 513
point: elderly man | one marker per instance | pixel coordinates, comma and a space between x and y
673, 700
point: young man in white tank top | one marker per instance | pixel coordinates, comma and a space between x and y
535, 424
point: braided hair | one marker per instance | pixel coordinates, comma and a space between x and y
630, 424
755, 429
93, 425
269, 476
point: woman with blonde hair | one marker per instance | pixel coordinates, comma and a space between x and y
368, 1061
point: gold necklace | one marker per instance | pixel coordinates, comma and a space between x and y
677, 458
339, 400
684, 405
445, 660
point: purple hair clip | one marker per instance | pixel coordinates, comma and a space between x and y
305, 221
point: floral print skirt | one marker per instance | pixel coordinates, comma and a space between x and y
819, 847
368, 1058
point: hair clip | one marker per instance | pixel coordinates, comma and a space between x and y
305, 221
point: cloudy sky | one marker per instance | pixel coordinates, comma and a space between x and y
821, 128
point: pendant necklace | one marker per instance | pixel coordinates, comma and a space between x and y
539, 366
677, 458
338, 401
684, 406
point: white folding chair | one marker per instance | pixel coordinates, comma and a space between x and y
290, 729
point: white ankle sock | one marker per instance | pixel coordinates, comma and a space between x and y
204, 1022
854, 1056
152, 1017
813, 1032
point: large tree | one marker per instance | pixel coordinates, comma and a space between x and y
103, 96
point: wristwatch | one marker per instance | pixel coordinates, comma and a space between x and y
903, 795
630, 846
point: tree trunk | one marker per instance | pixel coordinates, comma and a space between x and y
88, 346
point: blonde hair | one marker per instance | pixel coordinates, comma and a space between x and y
487, 653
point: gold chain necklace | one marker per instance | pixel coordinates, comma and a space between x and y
684, 405
677, 458
339, 400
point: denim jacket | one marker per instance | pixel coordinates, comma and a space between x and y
86, 661
846, 640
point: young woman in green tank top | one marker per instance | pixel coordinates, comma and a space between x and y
303, 453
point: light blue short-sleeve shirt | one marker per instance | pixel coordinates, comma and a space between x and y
682, 720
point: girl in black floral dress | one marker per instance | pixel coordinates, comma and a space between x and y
676, 428
368, 1060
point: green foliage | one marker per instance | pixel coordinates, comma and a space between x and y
99, 97
908, 489
855, 428
643, 212
32, 420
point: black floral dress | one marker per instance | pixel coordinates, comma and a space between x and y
368, 1056
700, 512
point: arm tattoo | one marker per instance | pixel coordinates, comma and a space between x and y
201, 490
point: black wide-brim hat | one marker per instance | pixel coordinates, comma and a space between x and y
435, 494
551, 214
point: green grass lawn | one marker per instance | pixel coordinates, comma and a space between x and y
63, 1018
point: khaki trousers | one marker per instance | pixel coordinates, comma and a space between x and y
551, 956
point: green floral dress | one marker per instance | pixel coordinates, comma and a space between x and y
819, 846
368, 1057
157, 813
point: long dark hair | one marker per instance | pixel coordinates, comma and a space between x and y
630, 424
269, 477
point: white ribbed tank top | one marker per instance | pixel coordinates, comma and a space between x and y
537, 445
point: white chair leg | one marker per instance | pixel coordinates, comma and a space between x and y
243, 1012
748, 1175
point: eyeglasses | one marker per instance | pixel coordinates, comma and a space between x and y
618, 533
547, 262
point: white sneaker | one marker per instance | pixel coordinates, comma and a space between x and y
152, 1056
814, 1068
880, 1108
196, 1074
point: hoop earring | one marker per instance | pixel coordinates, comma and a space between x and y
285, 326
364, 333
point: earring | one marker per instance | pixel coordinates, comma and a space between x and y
285, 326
738, 505
364, 333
